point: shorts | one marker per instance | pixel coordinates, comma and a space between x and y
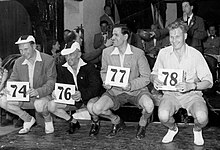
123, 98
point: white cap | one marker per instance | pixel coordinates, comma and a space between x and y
25, 39
70, 48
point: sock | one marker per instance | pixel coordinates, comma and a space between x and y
198, 139
170, 135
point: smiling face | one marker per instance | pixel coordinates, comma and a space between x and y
27, 50
118, 38
73, 58
177, 38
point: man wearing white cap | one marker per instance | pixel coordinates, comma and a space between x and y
39, 70
83, 75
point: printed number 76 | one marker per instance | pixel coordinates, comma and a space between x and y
115, 71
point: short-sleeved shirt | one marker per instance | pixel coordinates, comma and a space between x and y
193, 63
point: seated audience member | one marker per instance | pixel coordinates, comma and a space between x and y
107, 17
122, 54
212, 43
85, 78
100, 40
39, 70
53, 49
153, 45
188, 92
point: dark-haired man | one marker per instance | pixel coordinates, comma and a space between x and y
135, 91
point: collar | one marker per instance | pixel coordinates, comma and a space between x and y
80, 64
127, 51
38, 58
190, 17
186, 52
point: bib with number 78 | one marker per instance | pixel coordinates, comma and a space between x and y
170, 77
117, 76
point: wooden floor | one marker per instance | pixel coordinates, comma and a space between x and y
60, 140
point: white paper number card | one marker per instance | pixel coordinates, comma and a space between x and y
117, 76
170, 77
17, 91
64, 93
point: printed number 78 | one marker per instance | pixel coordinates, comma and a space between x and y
115, 71
173, 76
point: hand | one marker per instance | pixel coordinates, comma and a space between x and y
127, 88
185, 87
77, 96
184, 16
108, 42
53, 95
152, 34
107, 86
157, 83
32, 92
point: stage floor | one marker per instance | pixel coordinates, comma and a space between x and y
36, 139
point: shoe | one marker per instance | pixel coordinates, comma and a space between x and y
198, 139
49, 127
27, 126
19, 123
170, 135
141, 132
116, 128
73, 127
6, 122
94, 128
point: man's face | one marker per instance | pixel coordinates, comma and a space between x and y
187, 8
118, 38
177, 38
108, 10
212, 30
104, 27
73, 58
27, 50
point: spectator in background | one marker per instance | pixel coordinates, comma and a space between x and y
212, 43
100, 40
65, 34
53, 50
107, 16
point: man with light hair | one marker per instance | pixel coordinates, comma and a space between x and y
187, 94
39, 70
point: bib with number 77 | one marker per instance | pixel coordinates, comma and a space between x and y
117, 76
170, 77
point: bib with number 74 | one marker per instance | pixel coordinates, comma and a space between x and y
170, 77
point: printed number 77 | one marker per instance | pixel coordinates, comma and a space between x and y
115, 71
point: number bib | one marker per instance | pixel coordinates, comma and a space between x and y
117, 76
63, 93
170, 77
17, 91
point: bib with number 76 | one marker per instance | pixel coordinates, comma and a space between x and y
170, 77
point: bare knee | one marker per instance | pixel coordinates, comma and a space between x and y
147, 103
51, 106
97, 109
163, 115
40, 105
202, 117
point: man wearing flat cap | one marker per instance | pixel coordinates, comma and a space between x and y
39, 70
83, 75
